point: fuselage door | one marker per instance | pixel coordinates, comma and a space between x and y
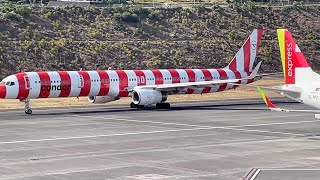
81, 81
27, 82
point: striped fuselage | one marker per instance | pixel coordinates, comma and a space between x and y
31, 85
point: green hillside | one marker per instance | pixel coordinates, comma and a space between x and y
32, 39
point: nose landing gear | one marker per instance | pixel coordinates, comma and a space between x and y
27, 109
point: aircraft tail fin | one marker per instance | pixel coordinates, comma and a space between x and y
245, 57
296, 69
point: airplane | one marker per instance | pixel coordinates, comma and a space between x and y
145, 87
302, 84
273, 107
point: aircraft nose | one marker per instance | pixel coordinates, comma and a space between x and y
2, 91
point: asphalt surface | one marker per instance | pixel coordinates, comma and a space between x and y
212, 140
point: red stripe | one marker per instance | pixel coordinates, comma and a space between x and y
223, 75
260, 32
246, 51
238, 76
65, 81
3, 92
45, 83
175, 76
23, 92
208, 77
85, 90
140, 74
105, 83
123, 83
158, 76
249, 80
233, 64
192, 78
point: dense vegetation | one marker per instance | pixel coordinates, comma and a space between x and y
33, 39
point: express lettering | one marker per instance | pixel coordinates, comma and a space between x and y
55, 87
289, 59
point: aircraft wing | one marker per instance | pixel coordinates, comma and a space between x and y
273, 107
164, 87
274, 88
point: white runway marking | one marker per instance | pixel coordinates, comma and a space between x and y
193, 125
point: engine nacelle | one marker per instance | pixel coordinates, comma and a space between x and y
147, 96
101, 99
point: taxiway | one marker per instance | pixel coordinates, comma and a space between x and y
219, 140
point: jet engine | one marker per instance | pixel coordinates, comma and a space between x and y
147, 96
101, 99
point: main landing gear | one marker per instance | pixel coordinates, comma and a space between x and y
27, 109
158, 105
163, 106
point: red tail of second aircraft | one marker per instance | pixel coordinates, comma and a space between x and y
296, 69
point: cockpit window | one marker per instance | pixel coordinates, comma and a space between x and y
8, 83
2, 83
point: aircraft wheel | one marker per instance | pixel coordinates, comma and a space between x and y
163, 106
140, 106
28, 111
132, 105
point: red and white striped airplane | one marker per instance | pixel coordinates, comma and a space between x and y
144, 86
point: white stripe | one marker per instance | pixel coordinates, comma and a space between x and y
150, 75
255, 174
34, 84
95, 86
240, 59
253, 48
55, 82
12, 91
243, 75
75, 83
182, 73
183, 79
114, 85
167, 79
131, 75
198, 74
215, 74
230, 75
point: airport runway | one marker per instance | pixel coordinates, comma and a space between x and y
212, 140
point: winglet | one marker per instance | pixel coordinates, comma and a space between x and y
255, 71
266, 100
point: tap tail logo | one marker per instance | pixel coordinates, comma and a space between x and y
291, 56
